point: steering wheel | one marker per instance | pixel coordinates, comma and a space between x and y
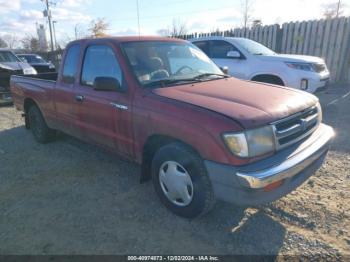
183, 68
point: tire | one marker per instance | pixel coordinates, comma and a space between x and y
191, 169
269, 79
41, 132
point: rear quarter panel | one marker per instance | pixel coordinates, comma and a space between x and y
40, 91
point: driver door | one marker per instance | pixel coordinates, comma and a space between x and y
104, 117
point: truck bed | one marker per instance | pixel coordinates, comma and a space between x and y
39, 87
5, 95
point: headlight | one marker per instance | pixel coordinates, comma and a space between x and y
251, 143
301, 66
29, 71
51, 66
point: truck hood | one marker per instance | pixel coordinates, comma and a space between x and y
293, 58
251, 104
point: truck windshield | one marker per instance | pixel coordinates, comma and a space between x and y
7, 56
253, 47
167, 63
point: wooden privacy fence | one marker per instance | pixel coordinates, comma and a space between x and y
329, 39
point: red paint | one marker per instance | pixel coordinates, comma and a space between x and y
196, 114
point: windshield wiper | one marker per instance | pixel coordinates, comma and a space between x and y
210, 74
164, 82
197, 78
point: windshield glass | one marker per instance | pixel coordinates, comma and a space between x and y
7, 56
253, 47
33, 58
152, 61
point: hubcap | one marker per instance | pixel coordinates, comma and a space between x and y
176, 183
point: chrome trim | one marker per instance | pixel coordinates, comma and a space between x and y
291, 166
293, 116
278, 134
289, 131
119, 106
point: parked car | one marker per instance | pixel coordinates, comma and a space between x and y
198, 134
36, 61
247, 59
10, 64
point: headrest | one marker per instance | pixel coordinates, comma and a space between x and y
155, 63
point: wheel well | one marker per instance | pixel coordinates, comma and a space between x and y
268, 78
28, 103
152, 145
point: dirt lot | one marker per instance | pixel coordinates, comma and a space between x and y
68, 197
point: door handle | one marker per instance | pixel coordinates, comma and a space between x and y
79, 98
119, 106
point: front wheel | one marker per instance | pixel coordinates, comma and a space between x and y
180, 179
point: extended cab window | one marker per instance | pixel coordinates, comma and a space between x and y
203, 45
219, 49
100, 61
71, 64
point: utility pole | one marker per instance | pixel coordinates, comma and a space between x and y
54, 33
48, 14
338, 8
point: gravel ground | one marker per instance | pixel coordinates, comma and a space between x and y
68, 197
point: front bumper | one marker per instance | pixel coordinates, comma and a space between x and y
315, 81
293, 165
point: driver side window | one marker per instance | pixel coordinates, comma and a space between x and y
219, 49
100, 60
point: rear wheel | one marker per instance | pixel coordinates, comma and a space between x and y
42, 133
270, 79
181, 181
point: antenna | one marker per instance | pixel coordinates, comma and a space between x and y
138, 16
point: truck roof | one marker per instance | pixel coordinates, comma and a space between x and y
122, 39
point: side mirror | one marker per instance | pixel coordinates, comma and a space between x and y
233, 54
103, 83
224, 69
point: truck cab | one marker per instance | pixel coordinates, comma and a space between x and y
198, 134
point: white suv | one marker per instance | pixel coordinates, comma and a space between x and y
247, 59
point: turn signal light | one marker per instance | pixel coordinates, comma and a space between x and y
273, 186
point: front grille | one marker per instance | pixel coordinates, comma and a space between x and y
294, 128
319, 67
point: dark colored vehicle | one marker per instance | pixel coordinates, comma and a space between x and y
10, 64
36, 61
198, 134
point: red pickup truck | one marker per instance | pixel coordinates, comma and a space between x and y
198, 134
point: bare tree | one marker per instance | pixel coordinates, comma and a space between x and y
3, 44
11, 40
30, 43
334, 9
80, 31
177, 29
98, 27
256, 23
247, 9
